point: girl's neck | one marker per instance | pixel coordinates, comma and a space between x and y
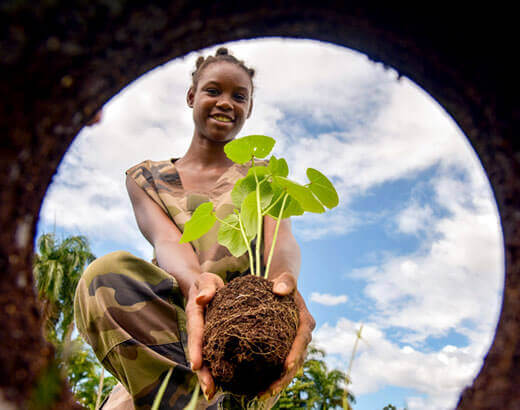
205, 154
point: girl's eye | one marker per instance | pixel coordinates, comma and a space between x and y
212, 91
240, 97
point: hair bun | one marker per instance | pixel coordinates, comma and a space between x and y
199, 61
222, 51
222, 54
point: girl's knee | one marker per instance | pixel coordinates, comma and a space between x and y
109, 263
99, 270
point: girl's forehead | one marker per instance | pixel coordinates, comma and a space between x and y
224, 71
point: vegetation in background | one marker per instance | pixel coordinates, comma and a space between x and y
58, 265
316, 387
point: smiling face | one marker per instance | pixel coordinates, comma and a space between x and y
221, 101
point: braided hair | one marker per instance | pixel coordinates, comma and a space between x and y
222, 54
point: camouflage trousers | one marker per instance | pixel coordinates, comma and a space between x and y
132, 314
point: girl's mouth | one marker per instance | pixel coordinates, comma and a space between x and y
221, 118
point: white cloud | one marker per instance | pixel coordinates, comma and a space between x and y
328, 299
380, 129
415, 219
455, 277
452, 283
150, 120
439, 374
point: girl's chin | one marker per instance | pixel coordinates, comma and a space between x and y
220, 137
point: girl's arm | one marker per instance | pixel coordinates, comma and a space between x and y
284, 271
180, 261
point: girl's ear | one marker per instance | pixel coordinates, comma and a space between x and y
190, 97
250, 108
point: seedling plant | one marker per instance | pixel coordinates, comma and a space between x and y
265, 190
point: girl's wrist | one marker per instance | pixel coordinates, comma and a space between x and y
188, 282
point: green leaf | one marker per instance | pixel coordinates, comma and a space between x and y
162, 389
302, 194
292, 206
322, 187
239, 151
242, 150
241, 189
262, 145
200, 223
260, 171
278, 167
229, 235
249, 209
249, 215
245, 186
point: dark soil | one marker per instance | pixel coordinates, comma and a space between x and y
249, 332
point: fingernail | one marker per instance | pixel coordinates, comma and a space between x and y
290, 367
281, 287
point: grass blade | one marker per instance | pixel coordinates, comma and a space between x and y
162, 389
192, 405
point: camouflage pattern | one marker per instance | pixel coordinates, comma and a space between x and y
132, 312
161, 181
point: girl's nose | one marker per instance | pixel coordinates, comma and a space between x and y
224, 103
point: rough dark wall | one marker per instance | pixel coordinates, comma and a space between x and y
61, 60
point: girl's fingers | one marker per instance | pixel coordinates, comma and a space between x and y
201, 293
298, 351
303, 335
195, 328
206, 382
284, 284
207, 284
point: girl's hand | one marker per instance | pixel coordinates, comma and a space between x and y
199, 295
284, 284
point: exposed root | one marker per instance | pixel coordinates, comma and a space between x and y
249, 332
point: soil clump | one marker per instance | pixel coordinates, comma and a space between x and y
248, 333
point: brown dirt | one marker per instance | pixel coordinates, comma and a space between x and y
249, 332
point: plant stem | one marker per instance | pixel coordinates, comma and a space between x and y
272, 205
100, 388
345, 404
354, 350
225, 223
249, 250
259, 225
271, 251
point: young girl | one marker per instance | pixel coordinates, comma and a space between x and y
144, 318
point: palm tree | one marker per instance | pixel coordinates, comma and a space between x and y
57, 267
315, 387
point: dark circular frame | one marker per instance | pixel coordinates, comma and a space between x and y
61, 61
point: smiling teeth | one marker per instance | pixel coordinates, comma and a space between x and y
222, 118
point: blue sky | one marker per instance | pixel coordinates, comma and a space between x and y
414, 251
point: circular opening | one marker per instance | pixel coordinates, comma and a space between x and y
417, 220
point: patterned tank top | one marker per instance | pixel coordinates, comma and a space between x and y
161, 181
